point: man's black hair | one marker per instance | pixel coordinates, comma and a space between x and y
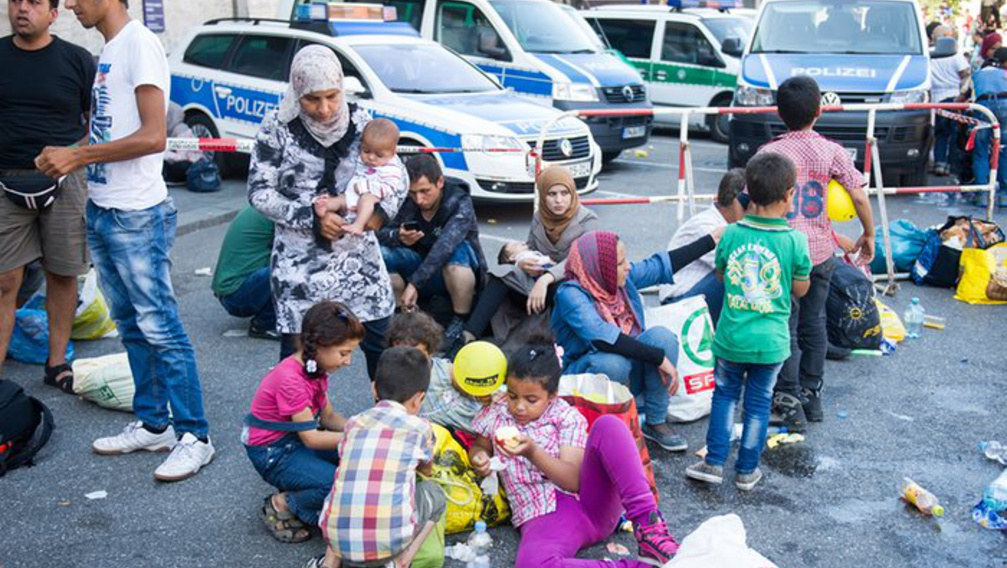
731, 186
798, 100
424, 166
402, 372
769, 176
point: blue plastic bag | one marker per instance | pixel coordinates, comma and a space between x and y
908, 241
30, 341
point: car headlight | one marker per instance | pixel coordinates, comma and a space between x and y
492, 141
581, 92
754, 96
913, 96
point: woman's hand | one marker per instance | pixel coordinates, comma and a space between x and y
670, 375
536, 298
331, 225
531, 267
480, 461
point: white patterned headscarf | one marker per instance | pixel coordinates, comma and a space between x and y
315, 68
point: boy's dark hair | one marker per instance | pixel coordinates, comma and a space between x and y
798, 101
731, 185
503, 257
536, 361
381, 128
769, 176
424, 166
402, 372
415, 328
328, 323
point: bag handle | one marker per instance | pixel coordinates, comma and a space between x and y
275, 426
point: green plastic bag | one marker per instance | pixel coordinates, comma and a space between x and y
431, 552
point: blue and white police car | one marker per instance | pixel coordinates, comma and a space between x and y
229, 74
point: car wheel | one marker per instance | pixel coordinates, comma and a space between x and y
720, 124
202, 127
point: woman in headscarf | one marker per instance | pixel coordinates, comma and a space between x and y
307, 148
598, 320
559, 221
992, 42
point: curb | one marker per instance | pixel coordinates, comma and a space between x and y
192, 222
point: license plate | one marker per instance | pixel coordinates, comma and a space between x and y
580, 170
633, 132
852, 152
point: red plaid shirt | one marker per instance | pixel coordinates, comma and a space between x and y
818, 160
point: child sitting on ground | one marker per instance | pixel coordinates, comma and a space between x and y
514, 252
567, 489
282, 437
378, 514
761, 260
379, 175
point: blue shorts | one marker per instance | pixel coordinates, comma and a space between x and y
404, 262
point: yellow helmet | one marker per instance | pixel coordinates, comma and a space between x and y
480, 368
840, 204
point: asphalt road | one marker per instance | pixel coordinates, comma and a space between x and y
828, 502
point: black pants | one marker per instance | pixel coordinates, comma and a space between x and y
809, 338
373, 345
492, 296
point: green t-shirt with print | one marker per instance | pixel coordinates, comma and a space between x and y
759, 258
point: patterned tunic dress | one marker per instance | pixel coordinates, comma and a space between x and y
288, 169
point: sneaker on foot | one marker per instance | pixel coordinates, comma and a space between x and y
662, 435
654, 540
747, 481
705, 472
788, 411
263, 332
812, 403
135, 437
454, 338
188, 456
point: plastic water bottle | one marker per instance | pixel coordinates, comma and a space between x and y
924, 500
995, 496
480, 562
480, 541
914, 319
995, 451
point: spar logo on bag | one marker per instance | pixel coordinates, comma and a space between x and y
689, 320
697, 344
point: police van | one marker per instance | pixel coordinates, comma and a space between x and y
679, 50
229, 74
869, 51
531, 47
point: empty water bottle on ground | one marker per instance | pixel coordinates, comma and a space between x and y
995, 496
925, 501
913, 319
480, 541
995, 451
480, 562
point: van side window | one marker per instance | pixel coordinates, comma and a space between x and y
257, 56
209, 50
631, 37
684, 43
465, 29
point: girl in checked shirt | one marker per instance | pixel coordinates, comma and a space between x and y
567, 489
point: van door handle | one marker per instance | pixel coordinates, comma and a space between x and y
661, 75
222, 91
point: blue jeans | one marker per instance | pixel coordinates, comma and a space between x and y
254, 299
758, 381
131, 252
983, 148
404, 261
640, 377
305, 475
946, 151
711, 287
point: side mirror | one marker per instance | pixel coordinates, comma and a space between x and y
945, 47
489, 45
353, 88
732, 46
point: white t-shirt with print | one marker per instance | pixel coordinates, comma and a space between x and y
133, 58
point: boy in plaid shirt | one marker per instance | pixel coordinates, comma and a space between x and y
377, 513
798, 397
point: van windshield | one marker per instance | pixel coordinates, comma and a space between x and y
423, 69
839, 26
542, 27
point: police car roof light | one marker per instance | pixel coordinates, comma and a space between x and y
715, 4
342, 11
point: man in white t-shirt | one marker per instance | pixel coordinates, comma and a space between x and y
700, 277
948, 75
130, 229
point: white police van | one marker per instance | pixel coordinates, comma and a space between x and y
530, 47
229, 74
678, 48
869, 51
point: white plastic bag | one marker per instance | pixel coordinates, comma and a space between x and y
718, 543
690, 321
107, 381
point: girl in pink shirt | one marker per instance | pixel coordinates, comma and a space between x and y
291, 432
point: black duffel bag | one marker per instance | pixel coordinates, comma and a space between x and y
852, 318
21, 417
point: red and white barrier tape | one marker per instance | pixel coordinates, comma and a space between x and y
964, 119
245, 145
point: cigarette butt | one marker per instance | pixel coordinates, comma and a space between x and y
867, 352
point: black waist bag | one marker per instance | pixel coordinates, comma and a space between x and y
21, 417
33, 191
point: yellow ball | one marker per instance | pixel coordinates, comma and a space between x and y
480, 368
840, 203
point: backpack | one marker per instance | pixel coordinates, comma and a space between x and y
20, 418
852, 317
203, 176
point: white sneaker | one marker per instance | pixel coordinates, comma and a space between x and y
185, 460
135, 437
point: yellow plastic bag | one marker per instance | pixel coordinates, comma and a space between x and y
466, 502
91, 320
984, 275
891, 325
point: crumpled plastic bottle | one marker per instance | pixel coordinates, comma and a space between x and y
995, 451
995, 496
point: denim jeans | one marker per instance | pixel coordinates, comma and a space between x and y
373, 345
640, 377
711, 287
131, 252
758, 381
946, 139
305, 475
809, 338
254, 299
983, 148
404, 261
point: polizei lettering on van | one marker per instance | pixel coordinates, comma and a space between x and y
249, 107
860, 72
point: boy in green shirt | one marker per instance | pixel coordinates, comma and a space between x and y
762, 262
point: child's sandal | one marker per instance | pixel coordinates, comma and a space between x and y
284, 526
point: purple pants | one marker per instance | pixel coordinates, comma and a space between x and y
611, 480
